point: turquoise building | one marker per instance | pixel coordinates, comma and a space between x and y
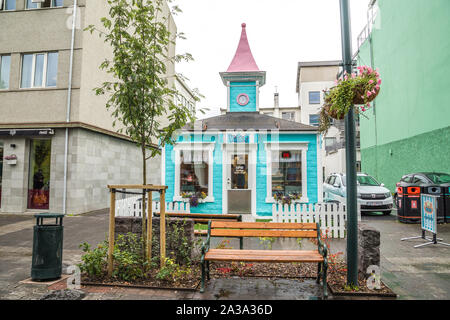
243, 161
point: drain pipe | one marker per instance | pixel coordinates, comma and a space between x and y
69, 99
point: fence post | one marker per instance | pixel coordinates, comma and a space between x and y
149, 226
162, 227
112, 216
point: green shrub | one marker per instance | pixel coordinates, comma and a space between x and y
94, 261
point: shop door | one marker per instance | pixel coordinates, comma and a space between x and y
39, 174
239, 194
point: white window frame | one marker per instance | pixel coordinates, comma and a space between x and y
39, 5
291, 118
194, 146
318, 120
33, 70
9, 78
309, 97
291, 146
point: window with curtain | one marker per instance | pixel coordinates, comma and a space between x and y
5, 66
39, 70
287, 172
45, 4
194, 169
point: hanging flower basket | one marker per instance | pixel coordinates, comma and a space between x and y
355, 91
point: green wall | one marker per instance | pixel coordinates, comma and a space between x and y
411, 49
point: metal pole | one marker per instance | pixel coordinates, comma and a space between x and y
350, 151
69, 97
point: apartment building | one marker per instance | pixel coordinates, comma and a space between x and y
408, 128
313, 78
58, 146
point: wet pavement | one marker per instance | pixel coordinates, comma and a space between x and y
422, 273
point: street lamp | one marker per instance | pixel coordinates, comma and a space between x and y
350, 152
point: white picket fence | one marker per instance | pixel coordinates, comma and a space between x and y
132, 207
331, 216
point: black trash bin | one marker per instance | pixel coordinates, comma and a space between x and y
438, 191
399, 202
446, 188
411, 204
47, 247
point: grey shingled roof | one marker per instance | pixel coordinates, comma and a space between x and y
246, 121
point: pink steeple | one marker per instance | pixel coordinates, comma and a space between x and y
243, 59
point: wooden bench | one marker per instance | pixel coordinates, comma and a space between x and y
261, 229
200, 218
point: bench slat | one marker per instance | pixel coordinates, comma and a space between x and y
262, 233
263, 225
201, 215
263, 255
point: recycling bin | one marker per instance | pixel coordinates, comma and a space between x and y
439, 192
47, 247
411, 204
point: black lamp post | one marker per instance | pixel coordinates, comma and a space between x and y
350, 152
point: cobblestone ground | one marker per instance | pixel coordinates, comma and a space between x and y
422, 273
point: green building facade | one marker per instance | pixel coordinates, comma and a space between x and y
408, 128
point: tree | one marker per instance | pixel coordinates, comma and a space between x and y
139, 94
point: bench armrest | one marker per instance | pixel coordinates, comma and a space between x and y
323, 249
206, 244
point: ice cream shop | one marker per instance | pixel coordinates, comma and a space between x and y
243, 161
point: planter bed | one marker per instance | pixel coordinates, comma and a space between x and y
337, 283
336, 278
185, 282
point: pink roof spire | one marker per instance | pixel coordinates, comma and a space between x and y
243, 59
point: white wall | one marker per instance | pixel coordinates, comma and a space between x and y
303, 98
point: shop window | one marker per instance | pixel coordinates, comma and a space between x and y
45, 4
39, 70
8, 5
287, 173
39, 174
239, 171
5, 66
194, 170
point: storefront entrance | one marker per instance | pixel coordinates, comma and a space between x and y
239, 193
39, 174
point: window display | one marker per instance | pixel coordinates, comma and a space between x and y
287, 173
193, 171
39, 175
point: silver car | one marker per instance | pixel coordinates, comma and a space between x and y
372, 196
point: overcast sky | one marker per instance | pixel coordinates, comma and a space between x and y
281, 33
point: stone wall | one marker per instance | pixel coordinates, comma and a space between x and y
179, 235
368, 247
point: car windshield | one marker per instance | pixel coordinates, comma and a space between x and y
439, 177
363, 181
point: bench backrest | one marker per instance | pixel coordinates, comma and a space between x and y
263, 229
203, 218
